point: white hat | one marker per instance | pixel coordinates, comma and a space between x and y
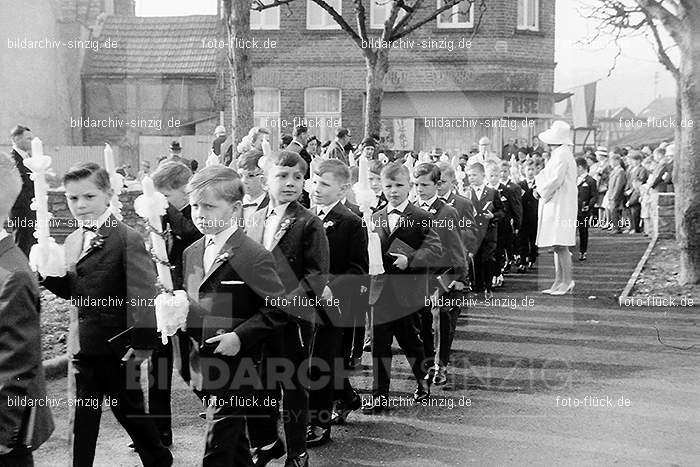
663, 145
484, 141
646, 150
601, 151
671, 150
559, 133
220, 130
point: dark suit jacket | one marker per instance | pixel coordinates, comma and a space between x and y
119, 271
300, 251
408, 287
21, 211
487, 229
511, 198
247, 303
354, 208
616, 187
21, 371
587, 196
453, 255
349, 260
661, 185
336, 151
530, 205
183, 233
467, 224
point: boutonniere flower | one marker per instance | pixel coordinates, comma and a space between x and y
97, 242
222, 257
328, 224
433, 211
284, 227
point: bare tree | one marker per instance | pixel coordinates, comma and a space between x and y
237, 16
680, 20
377, 59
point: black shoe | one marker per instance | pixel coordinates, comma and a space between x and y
582, 257
531, 265
375, 406
421, 393
343, 409
488, 295
317, 436
440, 376
302, 460
261, 457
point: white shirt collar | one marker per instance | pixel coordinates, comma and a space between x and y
248, 200
3, 234
581, 178
279, 210
401, 207
326, 209
221, 237
429, 202
22, 153
99, 222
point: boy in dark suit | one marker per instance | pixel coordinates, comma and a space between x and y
111, 275
489, 211
409, 247
528, 229
587, 196
508, 223
375, 183
23, 216
253, 177
231, 282
513, 193
349, 264
298, 242
24, 427
171, 178
451, 268
447, 191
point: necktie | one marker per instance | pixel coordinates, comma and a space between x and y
395, 211
395, 221
269, 232
90, 228
321, 214
209, 255
425, 206
249, 205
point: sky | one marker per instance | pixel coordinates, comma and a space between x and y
631, 84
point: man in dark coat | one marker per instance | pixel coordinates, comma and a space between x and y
22, 217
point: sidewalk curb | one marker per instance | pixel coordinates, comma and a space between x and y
55, 368
635, 274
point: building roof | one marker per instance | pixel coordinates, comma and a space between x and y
156, 46
614, 113
652, 136
659, 108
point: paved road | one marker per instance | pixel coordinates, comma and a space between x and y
631, 400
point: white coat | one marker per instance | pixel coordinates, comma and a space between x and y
556, 184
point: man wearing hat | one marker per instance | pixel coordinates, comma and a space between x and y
336, 150
484, 154
175, 156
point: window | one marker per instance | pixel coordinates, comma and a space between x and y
266, 19
322, 111
379, 12
459, 16
529, 15
266, 112
318, 18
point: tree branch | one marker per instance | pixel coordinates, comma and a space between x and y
658, 11
341, 21
259, 5
448, 4
360, 14
661, 52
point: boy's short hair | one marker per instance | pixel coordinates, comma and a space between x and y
446, 170
221, 181
18, 130
171, 175
300, 130
426, 168
505, 165
394, 170
490, 165
10, 187
477, 166
635, 155
249, 161
89, 170
336, 167
529, 163
615, 157
581, 162
289, 159
375, 167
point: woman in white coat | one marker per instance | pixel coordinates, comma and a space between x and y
556, 188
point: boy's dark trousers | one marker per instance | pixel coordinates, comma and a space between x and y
635, 210
485, 265
18, 457
406, 329
99, 376
448, 324
528, 245
583, 220
325, 374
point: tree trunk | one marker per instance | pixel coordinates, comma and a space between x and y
377, 67
686, 176
238, 27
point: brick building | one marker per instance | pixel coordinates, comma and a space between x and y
441, 91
